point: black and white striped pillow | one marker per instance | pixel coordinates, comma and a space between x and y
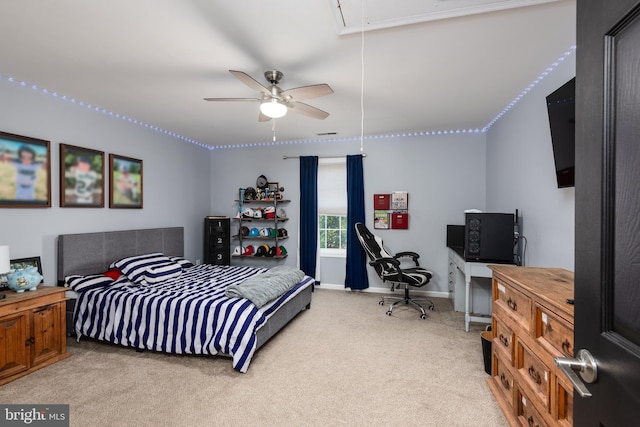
149, 268
160, 272
84, 283
184, 263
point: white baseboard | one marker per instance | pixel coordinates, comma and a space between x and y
385, 290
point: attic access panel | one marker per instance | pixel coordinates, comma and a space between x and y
386, 14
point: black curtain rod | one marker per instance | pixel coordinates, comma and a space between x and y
320, 157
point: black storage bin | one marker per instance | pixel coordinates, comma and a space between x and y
486, 337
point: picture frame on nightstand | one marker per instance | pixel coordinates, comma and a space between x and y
20, 263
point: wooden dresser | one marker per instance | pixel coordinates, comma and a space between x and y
32, 331
532, 323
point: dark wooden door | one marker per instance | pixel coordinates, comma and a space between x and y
607, 267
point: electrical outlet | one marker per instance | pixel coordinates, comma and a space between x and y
198, 262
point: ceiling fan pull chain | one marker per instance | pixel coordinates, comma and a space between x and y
273, 129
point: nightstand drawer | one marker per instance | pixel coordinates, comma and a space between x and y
535, 373
504, 339
554, 332
513, 302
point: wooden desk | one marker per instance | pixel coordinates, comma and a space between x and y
462, 285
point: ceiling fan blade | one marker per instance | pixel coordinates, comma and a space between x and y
303, 93
308, 110
233, 99
250, 81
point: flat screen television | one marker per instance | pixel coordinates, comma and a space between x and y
561, 108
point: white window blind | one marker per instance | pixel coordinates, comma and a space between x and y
332, 186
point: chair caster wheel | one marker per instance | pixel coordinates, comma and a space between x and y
423, 316
381, 302
432, 307
388, 312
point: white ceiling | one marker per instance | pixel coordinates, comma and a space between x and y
154, 61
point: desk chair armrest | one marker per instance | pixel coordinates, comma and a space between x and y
389, 260
394, 262
409, 254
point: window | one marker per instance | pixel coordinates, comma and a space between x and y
332, 206
333, 231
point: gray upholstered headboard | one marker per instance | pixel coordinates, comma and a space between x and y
91, 253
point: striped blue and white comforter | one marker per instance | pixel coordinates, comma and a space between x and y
189, 314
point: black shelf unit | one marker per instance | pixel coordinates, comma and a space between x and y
276, 222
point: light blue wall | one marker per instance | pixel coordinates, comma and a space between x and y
176, 176
521, 175
509, 167
444, 175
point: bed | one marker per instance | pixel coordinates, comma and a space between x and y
189, 313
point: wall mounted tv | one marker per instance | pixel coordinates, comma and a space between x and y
561, 108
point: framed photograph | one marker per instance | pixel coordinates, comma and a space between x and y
125, 180
25, 172
81, 177
273, 187
17, 264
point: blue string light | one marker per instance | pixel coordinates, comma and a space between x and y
517, 99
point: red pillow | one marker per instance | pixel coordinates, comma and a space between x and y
113, 273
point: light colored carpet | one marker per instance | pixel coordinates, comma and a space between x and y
343, 362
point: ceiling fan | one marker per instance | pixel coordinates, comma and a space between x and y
275, 102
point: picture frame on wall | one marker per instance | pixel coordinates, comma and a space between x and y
273, 187
81, 177
125, 182
25, 172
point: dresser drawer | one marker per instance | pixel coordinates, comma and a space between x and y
514, 302
218, 226
503, 378
554, 332
503, 339
564, 403
535, 373
527, 413
217, 242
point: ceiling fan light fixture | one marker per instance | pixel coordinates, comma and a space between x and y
273, 108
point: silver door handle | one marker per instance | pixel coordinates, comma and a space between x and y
585, 365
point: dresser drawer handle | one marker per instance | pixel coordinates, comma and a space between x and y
535, 376
504, 340
504, 381
512, 304
566, 348
530, 421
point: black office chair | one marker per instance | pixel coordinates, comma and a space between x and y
389, 269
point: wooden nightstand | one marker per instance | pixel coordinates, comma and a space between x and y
32, 331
